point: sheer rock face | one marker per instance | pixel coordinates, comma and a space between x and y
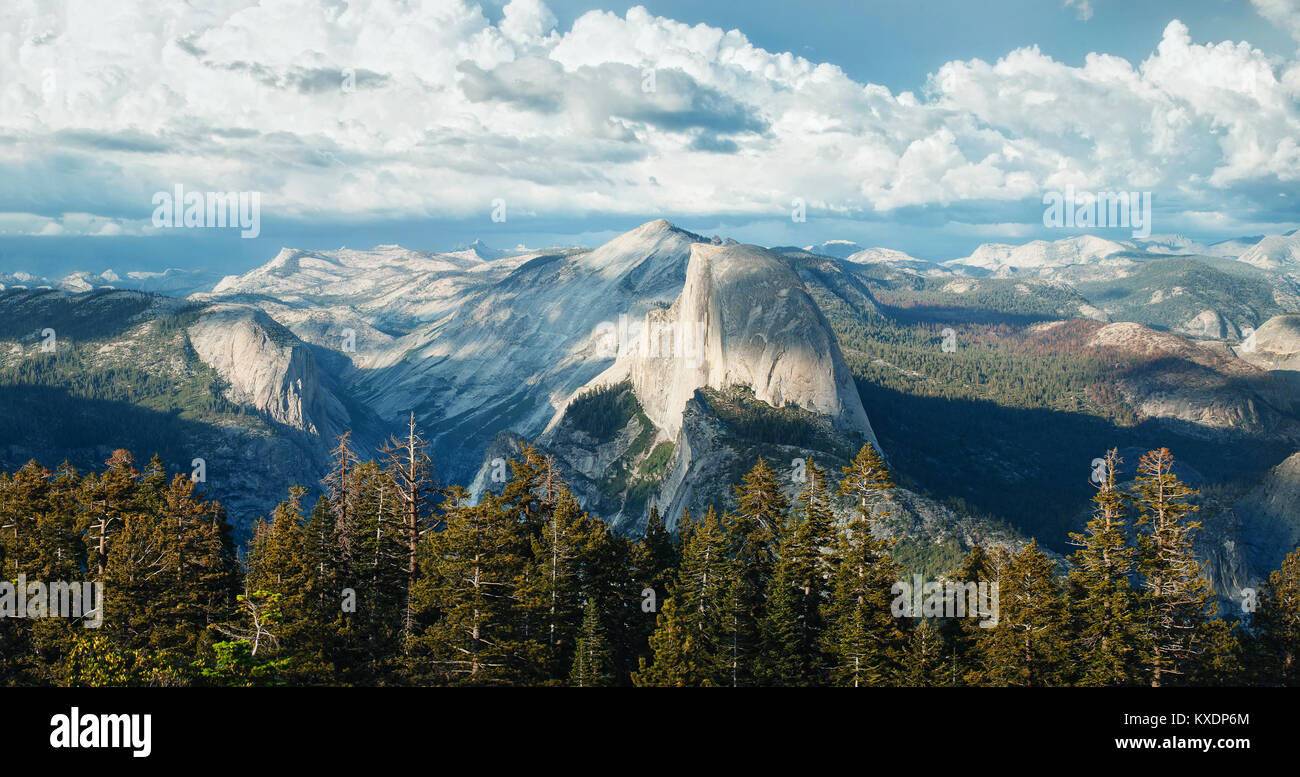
1245, 542
267, 368
742, 318
1270, 516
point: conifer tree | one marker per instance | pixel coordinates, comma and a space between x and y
863, 639
1177, 598
470, 579
784, 659
1029, 645
925, 666
109, 495
339, 485
866, 481
755, 531
592, 656
566, 556
411, 468
200, 569
656, 556
699, 600
675, 653
962, 637
1104, 602
316, 649
372, 636
792, 625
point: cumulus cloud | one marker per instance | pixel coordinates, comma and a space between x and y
391, 109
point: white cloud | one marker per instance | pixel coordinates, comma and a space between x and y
527, 21
1082, 8
68, 225
1283, 13
424, 108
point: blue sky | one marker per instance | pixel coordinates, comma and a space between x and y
898, 44
929, 127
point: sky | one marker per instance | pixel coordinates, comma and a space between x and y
929, 126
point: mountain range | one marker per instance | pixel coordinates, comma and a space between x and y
657, 367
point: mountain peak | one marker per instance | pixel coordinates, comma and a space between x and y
656, 226
658, 229
743, 318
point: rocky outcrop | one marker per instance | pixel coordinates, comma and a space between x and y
742, 339
1209, 324
1275, 345
266, 368
1243, 543
1201, 389
742, 318
1270, 516
514, 349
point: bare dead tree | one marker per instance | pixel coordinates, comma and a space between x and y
411, 468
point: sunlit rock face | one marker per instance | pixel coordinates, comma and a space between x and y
742, 318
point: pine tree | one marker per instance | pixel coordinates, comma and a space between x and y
469, 593
866, 481
554, 591
784, 660
675, 649
316, 650
1104, 602
200, 566
377, 572
755, 531
925, 666
1028, 646
792, 625
339, 485
863, 639
1177, 598
963, 637
109, 495
699, 603
592, 657
656, 556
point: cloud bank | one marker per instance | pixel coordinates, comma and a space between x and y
383, 109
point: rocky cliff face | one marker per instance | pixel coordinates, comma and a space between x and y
742, 318
742, 364
266, 368
1244, 542
1270, 516
515, 349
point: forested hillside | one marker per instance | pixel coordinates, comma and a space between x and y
388, 580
